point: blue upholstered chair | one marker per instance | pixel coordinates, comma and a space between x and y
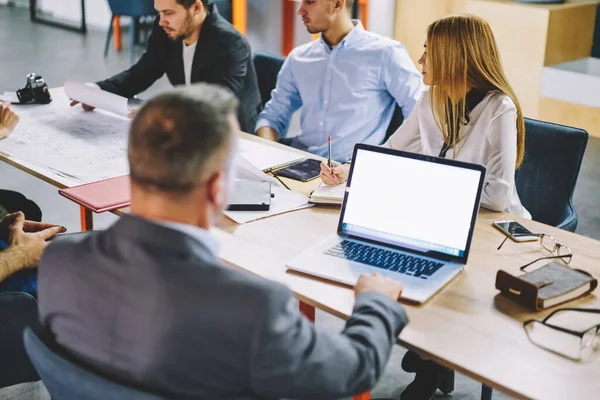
17, 311
225, 8
596, 46
267, 66
65, 379
546, 179
129, 8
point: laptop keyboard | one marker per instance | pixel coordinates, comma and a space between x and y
385, 259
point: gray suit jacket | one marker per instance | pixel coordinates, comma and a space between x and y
154, 308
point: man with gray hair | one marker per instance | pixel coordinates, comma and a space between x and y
149, 304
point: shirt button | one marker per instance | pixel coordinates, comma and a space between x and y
325, 102
320, 123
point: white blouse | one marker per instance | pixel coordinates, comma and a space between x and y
489, 139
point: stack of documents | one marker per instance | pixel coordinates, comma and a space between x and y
265, 157
326, 194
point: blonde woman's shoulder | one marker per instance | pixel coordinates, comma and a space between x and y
501, 103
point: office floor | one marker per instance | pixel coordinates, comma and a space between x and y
58, 54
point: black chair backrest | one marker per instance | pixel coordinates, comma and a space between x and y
267, 66
546, 179
66, 380
397, 120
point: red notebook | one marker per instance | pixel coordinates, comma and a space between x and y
110, 194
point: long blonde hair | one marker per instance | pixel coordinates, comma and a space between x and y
462, 53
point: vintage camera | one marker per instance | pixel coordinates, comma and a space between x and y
36, 90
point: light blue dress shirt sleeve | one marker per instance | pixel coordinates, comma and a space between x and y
402, 79
285, 100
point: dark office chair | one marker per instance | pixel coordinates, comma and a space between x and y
397, 120
546, 179
267, 66
66, 380
17, 311
14, 201
129, 8
224, 7
596, 47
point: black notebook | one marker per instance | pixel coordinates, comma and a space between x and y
303, 171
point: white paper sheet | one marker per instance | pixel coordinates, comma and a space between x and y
78, 145
266, 157
284, 201
246, 171
10, 97
92, 95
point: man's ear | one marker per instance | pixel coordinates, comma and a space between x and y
197, 7
217, 189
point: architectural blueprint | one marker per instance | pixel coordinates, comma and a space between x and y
81, 146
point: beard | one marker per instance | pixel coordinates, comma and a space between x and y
186, 28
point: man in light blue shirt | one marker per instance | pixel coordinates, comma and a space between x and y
347, 82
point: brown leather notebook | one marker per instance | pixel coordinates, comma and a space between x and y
547, 286
107, 195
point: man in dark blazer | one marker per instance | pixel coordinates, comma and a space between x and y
191, 42
148, 302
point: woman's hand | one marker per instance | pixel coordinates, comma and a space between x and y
336, 175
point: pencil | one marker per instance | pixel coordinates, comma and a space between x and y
329, 153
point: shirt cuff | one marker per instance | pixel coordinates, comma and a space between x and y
262, 123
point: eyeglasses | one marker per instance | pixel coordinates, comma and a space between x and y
571, 332
550, 244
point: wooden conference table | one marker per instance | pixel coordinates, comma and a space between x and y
467, 326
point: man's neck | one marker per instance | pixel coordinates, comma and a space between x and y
161, 208
195, 35
334, 35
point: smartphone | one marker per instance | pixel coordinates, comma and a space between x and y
515, 231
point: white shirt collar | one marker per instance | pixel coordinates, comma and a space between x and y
352, 37
200, 234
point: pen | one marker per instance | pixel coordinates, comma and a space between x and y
286, 186
329, 155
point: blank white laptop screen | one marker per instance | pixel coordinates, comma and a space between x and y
410, 203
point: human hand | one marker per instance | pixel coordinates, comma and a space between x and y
84, 106
8, 120
336, 175
377, 283
28, 237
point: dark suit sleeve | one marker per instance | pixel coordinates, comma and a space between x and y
144, 73
231, 66
294, 359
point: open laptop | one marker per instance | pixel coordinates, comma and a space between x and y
406, 216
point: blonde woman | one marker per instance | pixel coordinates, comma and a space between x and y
470, 112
